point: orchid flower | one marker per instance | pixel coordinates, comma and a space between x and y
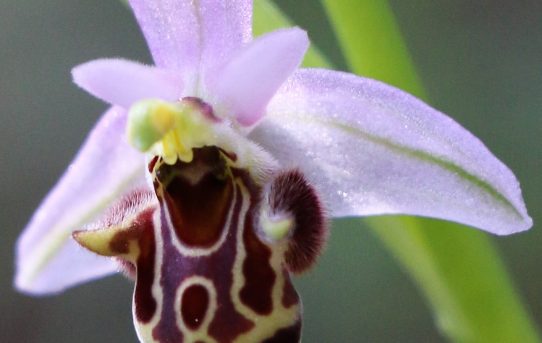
212, 177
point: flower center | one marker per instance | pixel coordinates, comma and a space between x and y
171, 130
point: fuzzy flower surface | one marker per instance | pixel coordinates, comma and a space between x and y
365, 147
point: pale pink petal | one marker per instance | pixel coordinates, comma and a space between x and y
121, 82
71, 265
248, 82
226, 25
105, 167
171, 28
372, 149
186, 35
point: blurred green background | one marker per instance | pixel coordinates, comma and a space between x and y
480, 62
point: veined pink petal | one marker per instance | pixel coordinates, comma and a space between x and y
121, 82
372, 149
105, 167
71, 265
250, 80
186, 35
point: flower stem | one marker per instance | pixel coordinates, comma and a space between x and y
458, 269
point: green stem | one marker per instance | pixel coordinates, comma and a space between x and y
372, 43
462, 276
458, 269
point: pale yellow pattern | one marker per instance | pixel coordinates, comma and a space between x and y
265, 326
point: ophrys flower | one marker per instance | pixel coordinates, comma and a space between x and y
213, 110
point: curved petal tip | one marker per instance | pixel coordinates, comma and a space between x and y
122, 82
372, 149
251, 78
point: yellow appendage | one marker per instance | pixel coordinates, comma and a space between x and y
169, 130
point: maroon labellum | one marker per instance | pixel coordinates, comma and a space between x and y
204, 268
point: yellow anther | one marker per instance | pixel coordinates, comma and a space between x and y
149, 121
163, 118
169, 130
